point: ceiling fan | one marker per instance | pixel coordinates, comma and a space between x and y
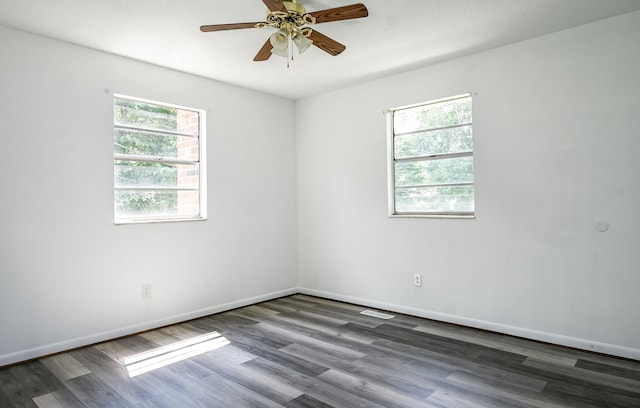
291, 19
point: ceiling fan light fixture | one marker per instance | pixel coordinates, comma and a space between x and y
291, 20
280, 43
302, 42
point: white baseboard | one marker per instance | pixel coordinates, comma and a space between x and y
48, 349
574, 342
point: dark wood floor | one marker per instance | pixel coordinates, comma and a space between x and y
302, 351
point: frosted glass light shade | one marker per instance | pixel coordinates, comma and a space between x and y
302, 42
280, 42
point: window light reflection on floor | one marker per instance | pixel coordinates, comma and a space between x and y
172, 353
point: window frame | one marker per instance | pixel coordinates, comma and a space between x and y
392, 161
201, 162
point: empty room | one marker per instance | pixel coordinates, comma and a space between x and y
316, 203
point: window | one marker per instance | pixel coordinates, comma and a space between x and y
158, 162
431, 159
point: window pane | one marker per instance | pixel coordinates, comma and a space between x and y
188, 176
436, 115
434, 142
156, 203
188, 202
152, 116
435, 199
153, 175
155, 144
445, 171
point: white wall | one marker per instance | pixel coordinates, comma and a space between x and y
68, 275
556, 150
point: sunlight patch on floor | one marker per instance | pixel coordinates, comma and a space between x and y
379, 315
172, 353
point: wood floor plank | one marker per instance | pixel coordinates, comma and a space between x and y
313, 322
182, 331
373, 391
284, 359
20, 383
111, 373
268, 386
443, 345
355, 316
293, 336
609, 369
330, 330
493, 377
424, 373
158, 338
529, 349
505, 392
305, 401
205, 386
259, 310
279, 306
319, 390
135, 344
234, 394
95, 393
298, 304
64, 366
443, 399
603, 379
123, 347
183, 384
576, 395
378, 376
622, 363
346, 316
317, 301
254, 313
58, 399
399, 361
565, 385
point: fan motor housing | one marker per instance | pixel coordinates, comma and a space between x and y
293, 7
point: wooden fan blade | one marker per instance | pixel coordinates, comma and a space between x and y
275, 5
264, 53
326, 44
222, 27
340, 13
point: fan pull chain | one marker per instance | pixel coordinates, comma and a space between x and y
289, 48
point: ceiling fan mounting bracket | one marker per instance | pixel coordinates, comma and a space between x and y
293, 20
293, 7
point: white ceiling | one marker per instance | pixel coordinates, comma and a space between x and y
398, 34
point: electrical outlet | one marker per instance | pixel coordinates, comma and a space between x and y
417, 279
146, 291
